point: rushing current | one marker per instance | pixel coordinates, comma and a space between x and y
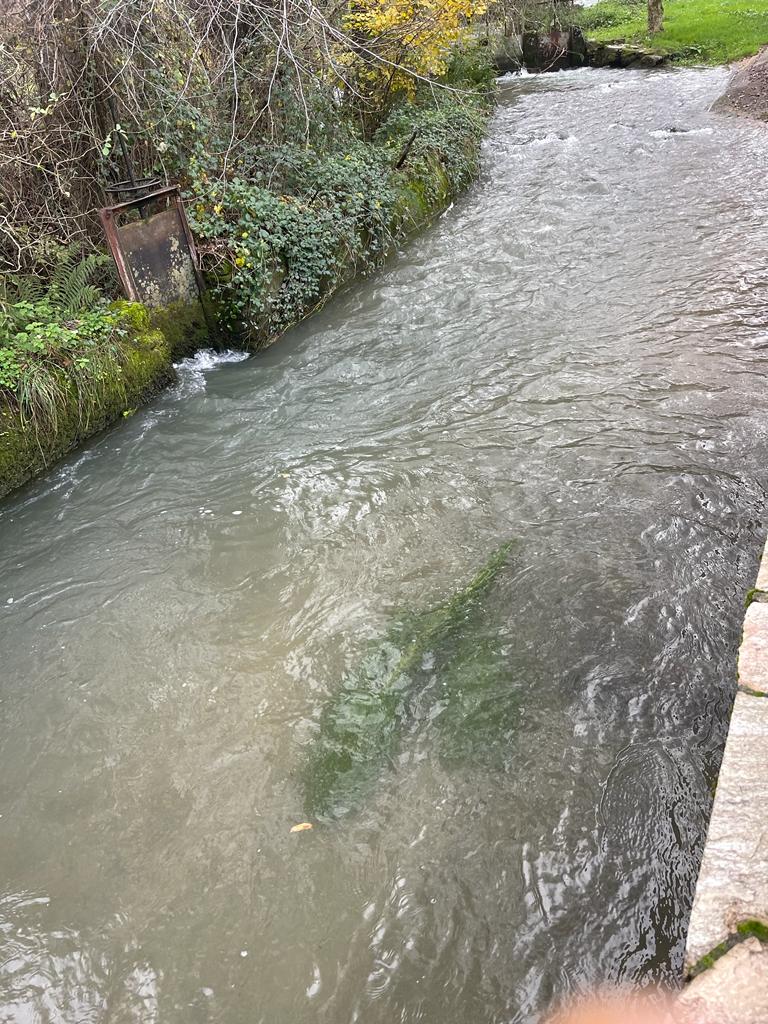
573, 358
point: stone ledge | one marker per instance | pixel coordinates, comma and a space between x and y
733, 881
733, 991
762, 574
616, 55
753, 653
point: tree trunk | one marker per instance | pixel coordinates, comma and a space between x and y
655, 16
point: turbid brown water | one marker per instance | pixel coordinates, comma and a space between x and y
574, 356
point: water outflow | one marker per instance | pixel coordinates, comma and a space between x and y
575, 356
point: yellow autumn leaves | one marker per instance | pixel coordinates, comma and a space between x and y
400, 40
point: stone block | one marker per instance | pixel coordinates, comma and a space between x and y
753, 653
762, 573
651, 60
733, 991
733, 881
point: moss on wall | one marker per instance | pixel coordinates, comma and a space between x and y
27, 449
407, 175
185, 327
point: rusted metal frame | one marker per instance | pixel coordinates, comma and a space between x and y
131, 204
108, 216
107, 219
190, 244
119, 189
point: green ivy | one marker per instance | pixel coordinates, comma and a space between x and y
277, 242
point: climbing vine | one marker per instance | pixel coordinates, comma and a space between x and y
274, 253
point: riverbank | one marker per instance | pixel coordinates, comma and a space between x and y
178, 606
747, 92
727, 941
695, 31
273, 256
57, 405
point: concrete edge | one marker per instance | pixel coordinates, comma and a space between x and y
731, 902
733, 991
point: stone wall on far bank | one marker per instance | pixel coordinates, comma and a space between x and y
563, 49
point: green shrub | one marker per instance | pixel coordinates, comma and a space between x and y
58, 340
277, 243
471, 66
336, 215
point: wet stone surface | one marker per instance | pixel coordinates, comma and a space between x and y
733, 881
733, 991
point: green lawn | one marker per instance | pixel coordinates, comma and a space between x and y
701, 31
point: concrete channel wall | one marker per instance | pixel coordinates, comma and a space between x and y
727, 946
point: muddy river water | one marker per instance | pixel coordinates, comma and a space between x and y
573, 357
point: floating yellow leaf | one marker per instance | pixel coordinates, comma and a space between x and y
302, 826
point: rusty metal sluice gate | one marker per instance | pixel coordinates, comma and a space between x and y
153, 248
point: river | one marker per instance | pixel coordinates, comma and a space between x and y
573, 357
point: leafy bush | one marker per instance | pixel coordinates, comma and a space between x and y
444, 129
337, 214
58, 340
471, 66
276, 243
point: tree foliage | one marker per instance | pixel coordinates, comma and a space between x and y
194, 89
394, 41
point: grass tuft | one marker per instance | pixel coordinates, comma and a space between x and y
59, 344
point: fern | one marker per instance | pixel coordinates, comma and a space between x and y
21, 288
70, 289
58, 342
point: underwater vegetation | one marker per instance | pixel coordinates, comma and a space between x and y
445, 658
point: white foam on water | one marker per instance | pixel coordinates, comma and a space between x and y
192, 371
512, 76
553, 138
675, 133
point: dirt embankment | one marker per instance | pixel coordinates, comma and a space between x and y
747, 91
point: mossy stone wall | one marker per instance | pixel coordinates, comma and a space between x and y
422, 193
27, 449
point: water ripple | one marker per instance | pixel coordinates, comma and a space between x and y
575, 357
